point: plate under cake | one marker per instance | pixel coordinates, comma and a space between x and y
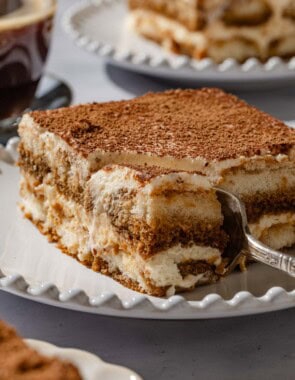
127, 187
218, 29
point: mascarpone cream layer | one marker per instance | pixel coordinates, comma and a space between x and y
155, 26
162, 268
56, 213
82, 234
275, 230
191, 199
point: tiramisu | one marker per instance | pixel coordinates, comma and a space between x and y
218, 29
19, 362
127, 187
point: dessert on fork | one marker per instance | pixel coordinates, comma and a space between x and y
218, 29
127, 188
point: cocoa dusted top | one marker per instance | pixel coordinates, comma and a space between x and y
205, 123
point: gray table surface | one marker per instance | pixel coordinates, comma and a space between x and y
254, 347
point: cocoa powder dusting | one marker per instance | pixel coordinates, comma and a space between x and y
205, 123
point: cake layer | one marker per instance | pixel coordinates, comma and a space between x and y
289, 10
276, 230
244, 12
187, 12
152, 209
59, 166
273, 37
93, 240
196, 15
262, 189
175, 269
237, 29
167, 32
265, 186
158, 208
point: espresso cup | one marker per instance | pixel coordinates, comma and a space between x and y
25, 33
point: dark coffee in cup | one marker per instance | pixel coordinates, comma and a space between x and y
25, 31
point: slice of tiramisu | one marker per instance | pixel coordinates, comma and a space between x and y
218, 29
127, 187
20, 362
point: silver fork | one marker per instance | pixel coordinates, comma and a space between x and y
241, 240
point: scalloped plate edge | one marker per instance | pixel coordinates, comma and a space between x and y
175, 63
141, 306
90, 365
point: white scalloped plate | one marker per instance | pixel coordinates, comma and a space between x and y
99, 27
34, 269
90, 366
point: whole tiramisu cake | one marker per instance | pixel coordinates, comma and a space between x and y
127, 187
19, 362
218, 29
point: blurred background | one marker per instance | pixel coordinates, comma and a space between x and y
92, 79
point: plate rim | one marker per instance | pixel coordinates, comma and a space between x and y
88, 357
172, 66
140, 305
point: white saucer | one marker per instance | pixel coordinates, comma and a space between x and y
99, 26
34, 269
91, 367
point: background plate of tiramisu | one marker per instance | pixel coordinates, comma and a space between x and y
38, 360
128, 190
226, 42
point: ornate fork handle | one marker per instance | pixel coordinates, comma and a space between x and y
235, 217
266, 255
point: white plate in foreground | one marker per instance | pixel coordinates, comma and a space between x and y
33, 268
99, 27
91, 367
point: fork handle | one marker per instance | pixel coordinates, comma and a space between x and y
266, 255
